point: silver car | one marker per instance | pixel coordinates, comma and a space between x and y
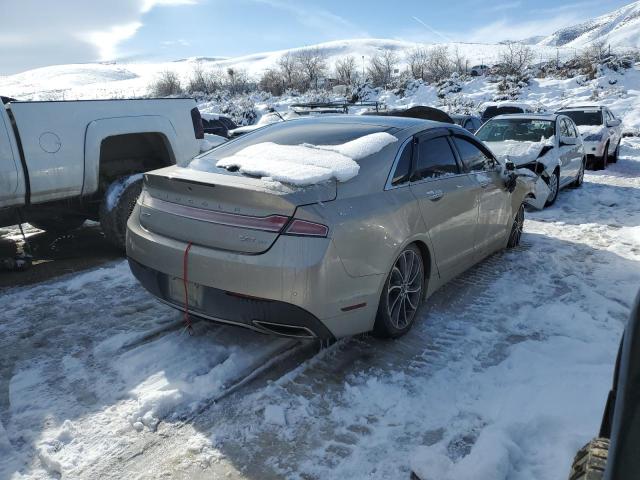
601, 132
331, 259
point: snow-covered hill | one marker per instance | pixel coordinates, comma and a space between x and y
620, 28
96, 80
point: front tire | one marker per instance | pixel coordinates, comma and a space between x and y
580, 178
401, 296
613, 158
601, 163
115, 210
516, 229
554, 187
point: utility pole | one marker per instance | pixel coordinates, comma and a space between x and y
363, 78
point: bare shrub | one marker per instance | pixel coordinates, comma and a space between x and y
312, 64
439, 66
202, 80
288, 68
345, 70
166, 85
417, 62
515, 59
381, 68
272, 82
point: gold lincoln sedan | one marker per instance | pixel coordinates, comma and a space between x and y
324, 227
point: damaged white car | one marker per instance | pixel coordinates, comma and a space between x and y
549, 145
601, 132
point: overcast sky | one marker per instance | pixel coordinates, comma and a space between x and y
37, 33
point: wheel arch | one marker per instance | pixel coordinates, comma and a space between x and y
152, 131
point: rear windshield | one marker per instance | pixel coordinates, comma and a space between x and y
491, 112
297, 133
521, 130
593, 117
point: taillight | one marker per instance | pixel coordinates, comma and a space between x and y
198, 129
306, 229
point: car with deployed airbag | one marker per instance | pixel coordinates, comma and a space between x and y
324, 227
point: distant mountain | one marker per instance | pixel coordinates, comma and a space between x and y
620, 28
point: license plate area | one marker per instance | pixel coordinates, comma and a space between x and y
195, 292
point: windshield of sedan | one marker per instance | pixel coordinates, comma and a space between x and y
518, 129
581, 117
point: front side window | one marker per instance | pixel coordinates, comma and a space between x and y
472, 157
564, 129
435, 159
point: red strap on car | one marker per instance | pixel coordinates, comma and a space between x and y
185, 281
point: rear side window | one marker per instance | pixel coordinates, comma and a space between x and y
472, 157
435, 159
403, 169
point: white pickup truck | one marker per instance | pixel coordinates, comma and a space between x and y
62, 163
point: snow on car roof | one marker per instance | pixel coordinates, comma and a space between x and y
303, 164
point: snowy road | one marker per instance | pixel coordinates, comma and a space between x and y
504, 376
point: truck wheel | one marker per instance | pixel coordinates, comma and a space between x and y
590, 461
118, 203
58, 224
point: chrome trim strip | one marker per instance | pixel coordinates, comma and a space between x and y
212, 216
265, 325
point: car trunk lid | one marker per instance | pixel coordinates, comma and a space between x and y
226, 210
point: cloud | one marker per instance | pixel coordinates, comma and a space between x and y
69, 31
319, 19
507, 29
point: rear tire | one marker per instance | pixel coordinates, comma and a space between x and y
115, 210
554, 186
614, 157
402, 294
516, 229
59, 224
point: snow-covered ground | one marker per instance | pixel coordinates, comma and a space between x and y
504, 376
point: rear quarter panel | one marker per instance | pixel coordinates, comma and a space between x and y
53, 136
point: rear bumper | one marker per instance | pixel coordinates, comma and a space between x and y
266, 316
299, 281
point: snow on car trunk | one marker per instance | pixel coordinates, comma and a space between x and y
300, 165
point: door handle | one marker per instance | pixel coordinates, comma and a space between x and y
484, 184
434, 195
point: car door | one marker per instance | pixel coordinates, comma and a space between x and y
448, 202
578, 150
566, 152
494, 200
615, 131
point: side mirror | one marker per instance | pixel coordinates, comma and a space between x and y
613, 123
567, 140
509, 166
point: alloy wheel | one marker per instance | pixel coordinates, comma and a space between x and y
404, 290
554, 185
516, 229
